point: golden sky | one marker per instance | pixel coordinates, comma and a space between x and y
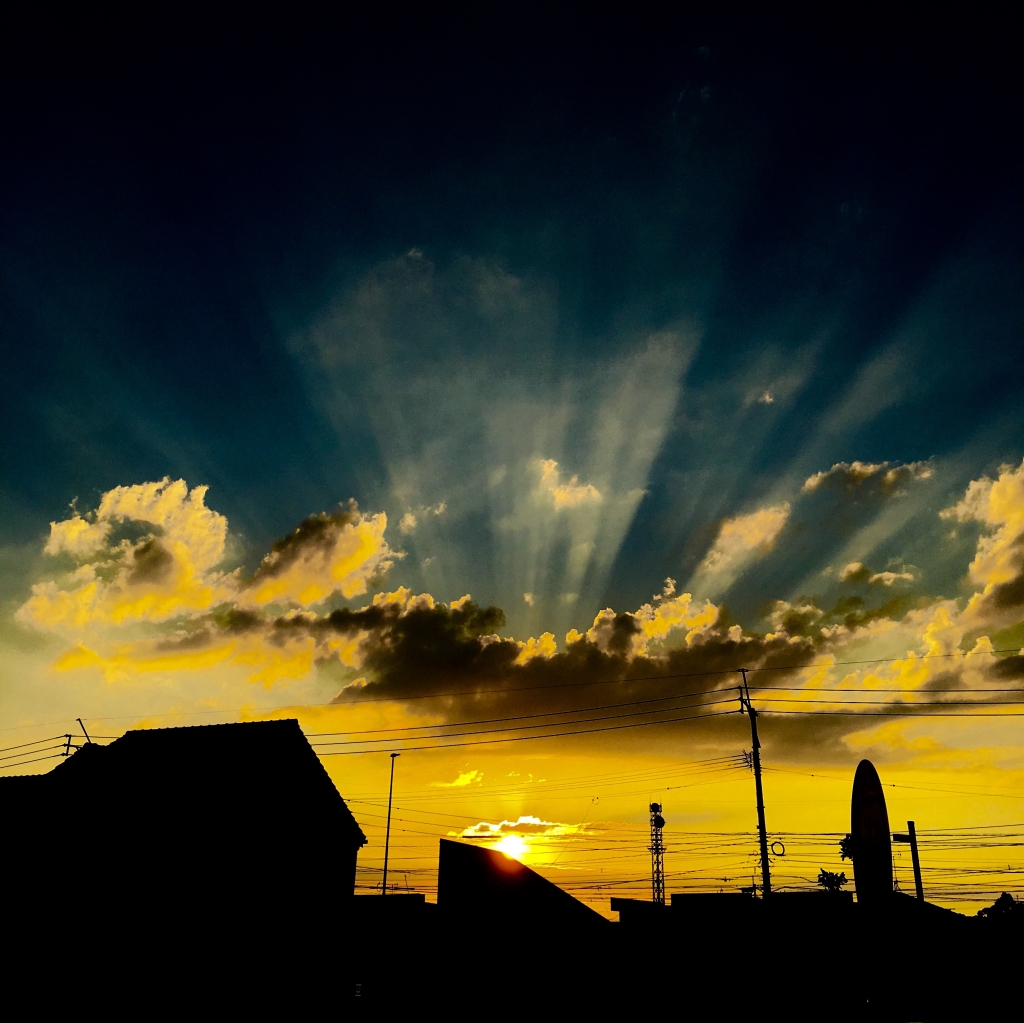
137, 619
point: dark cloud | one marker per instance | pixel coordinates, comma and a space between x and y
421, 652
855, 572
239, 620
187, 641
884, 478
316, 533
150, 563
1009, 667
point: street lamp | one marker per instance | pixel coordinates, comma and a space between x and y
387, 834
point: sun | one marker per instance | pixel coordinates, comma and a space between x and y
513, 846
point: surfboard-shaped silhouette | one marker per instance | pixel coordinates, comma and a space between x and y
872, 843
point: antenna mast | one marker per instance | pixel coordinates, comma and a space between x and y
657, 848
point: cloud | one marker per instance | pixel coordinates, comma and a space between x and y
340, 552
529, 599
854, 572
464, 779
858, 572
566, 495
745, 537
523, 825
77, 536
890, 578
886, 477
417, 354
165, 572
998, 564
543, 647
411, 519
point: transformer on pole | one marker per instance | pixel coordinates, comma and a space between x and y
657, 848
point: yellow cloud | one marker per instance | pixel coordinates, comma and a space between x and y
165, 574
543, 647
465, 778
346, 552
999, 505
77, 536
128, 660
267, 663
180, 514
744, 537
649, 623
566, 495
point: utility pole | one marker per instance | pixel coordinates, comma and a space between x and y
84, 732
762, 830
911, 838
387, 834
657, 856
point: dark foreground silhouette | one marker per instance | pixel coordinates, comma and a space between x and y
212, 870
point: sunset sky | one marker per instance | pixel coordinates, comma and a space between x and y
451, 385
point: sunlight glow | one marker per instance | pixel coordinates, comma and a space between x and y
513, 846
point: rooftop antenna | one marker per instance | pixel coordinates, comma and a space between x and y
84, 732
762, 830
657, 848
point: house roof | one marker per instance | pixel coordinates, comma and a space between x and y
238, 767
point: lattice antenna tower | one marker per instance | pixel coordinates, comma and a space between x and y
657, 849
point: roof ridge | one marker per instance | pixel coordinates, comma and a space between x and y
219, 724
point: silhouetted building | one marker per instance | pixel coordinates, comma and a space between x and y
472, 881
203, 822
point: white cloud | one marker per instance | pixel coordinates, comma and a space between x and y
889, 578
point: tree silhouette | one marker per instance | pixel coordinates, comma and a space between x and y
832, 882
1006, 907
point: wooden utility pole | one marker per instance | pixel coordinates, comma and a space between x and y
762, 830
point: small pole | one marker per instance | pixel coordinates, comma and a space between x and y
762, 829
916, 859
910, 838
84, 732
67, 745
387, 834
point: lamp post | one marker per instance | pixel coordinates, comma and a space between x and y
387, 834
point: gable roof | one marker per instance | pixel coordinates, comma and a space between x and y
250, 767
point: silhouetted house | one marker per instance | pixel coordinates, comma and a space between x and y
210, 823
472, 882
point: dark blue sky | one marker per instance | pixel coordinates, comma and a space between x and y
405, 262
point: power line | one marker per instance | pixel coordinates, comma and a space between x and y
22, 745
525, 738
24, 763
525, 717
518, 728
